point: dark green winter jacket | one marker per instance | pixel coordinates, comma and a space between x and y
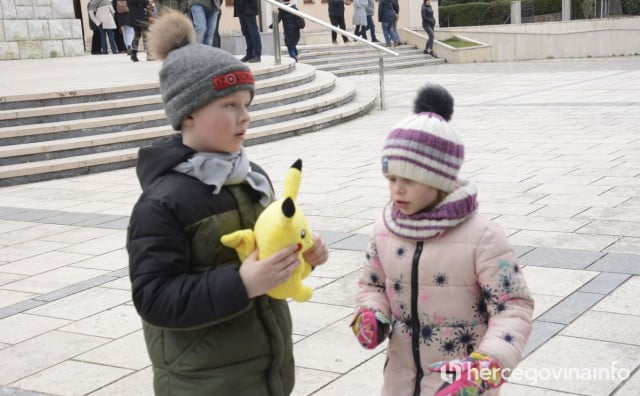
203, 333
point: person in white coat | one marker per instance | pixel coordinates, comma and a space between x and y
101, 13
360, 18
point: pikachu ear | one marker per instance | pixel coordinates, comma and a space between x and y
288, 208
292, 180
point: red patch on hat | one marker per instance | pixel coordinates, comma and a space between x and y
234, 78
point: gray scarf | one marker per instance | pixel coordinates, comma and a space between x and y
219, 169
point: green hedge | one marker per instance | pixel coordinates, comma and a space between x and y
472, 14
493, 12
631, 7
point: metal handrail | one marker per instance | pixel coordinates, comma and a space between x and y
276, 39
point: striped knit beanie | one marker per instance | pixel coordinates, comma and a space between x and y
424, 148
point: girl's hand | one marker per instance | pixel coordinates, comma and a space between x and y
260, 276
319, 253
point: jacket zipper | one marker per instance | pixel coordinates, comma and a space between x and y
415, 331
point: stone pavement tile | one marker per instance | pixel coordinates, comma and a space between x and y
42, 263
510, 389
541, 333
128, 352
522, 250
7, 391
122, 284
100, 245
334, 211
340, 263
539, 223
631, 387
506, 208
8, 278
560, 258
562, 188
32, 215
109, 261
78, 235
340, 292
365, 379
563, 240
9, 226
81, 305
53, 280
602, 201
618, 181
613, 262
358, 242
566, 211
555, 281
44, 351
8, 210
87, 377
336, 223
113, 323
604, 283
333, 236
75, 288
333, 348
606, 326
139, 383
317, 282
623, 300
626, 245
90, 207
543, 303
620, 214
119, 224
575, 356
571, 307
604, 227
10, 297
310, 317
308, 380
21, 306
68, 218
29, 249
20, 327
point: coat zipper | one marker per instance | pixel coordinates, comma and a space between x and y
415, 331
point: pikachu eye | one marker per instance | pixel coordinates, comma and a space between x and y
303, 234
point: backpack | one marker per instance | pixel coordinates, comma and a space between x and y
300, 22
122, 7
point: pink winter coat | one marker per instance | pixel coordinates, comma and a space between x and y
466, 289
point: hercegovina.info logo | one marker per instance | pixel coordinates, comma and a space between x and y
533, 375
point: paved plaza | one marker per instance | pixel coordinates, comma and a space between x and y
554, 147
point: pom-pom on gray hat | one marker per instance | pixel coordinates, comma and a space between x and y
192, 75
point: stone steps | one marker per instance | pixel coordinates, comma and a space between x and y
356, 58
59, 138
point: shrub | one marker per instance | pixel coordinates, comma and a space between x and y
631, 7
542, 7
473, 14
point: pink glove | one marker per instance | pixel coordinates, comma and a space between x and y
370, 327
473, 375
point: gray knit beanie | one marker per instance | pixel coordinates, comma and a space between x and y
192, 75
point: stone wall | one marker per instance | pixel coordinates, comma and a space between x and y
39, 29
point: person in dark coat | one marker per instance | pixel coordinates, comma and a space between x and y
246, 11
291, 25
139, 20
336, 16
428, 23
387, 10
122, 20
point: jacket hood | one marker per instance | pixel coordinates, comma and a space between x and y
160, 158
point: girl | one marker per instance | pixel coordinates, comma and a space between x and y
360, 18
440, 280
208, 325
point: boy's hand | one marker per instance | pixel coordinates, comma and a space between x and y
319, 253
260, 276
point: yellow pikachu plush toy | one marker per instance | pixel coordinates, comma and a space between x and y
280, 224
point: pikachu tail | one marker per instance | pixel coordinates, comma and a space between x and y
243, 241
